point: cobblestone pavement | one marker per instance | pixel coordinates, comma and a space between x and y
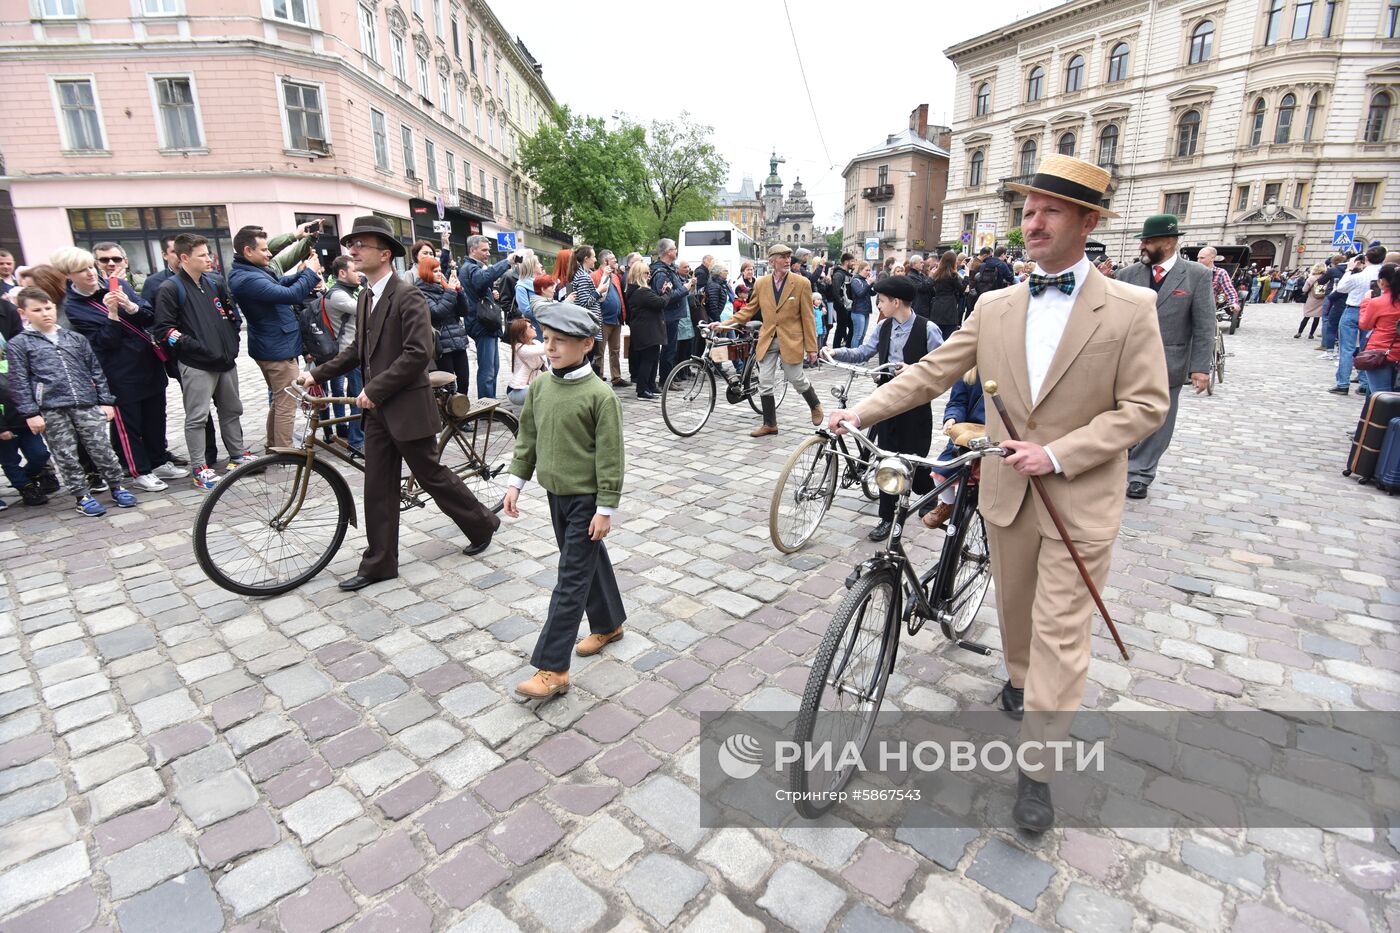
177, 758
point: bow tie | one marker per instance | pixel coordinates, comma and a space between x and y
1064, 282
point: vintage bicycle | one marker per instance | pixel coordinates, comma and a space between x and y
688, 397
277, 521
808, 481
846, 684
1217, 365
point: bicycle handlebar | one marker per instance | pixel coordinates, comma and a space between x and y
306, 398
858, 369
938, 466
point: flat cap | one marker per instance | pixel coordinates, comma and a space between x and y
896, 286
780, 249
566, 318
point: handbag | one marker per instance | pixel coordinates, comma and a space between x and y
488, 314
156, 348
1374, 359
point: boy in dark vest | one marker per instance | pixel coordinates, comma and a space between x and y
904, 338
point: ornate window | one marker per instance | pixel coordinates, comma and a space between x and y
1074, 74
1176, 202
1067, 145
1302, 18
1329, 17
974, 168
1118, 62
1202, 42
1273, 21
984, 98
1035, 84
1392, 20
1108, 145
1377, 118
1188, 133
1256, 129
1283, 126
1310, 120
1028, 152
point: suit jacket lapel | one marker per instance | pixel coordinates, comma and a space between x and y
378, 312
1013, 321
1083, 321
1172, 280
787, 288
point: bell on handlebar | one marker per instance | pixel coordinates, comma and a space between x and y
837, 394
893, 476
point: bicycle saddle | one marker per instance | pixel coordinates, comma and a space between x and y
753, 325
965, 432
438, 379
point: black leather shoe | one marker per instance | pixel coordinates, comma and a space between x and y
1137, 490
1013, 700
880, 532
1033, 810
471, 550
359, 582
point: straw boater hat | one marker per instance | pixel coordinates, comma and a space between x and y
1069, 179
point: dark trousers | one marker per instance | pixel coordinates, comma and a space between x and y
36, 456
1303, 323
384, 458
643, 365
138, 433
457, 363
586, 584
842, 337
668, 352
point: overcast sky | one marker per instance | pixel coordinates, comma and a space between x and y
732, 64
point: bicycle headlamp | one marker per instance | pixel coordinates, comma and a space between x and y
892, 476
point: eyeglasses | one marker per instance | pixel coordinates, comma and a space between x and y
104, 260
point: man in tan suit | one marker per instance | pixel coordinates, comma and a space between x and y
785, 301
1082, 371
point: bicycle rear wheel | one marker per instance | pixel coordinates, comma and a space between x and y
1219, 359
479, 452
803, 494
972, 573
256, 534
688, 397
845, 687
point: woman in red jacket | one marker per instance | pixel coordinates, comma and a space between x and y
1379, 315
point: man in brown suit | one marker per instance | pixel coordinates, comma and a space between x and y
785, 300
1080, 363
393, 346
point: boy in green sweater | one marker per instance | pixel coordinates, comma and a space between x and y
571, 431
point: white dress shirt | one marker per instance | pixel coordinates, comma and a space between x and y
377, 288
1166, 264
1046, 317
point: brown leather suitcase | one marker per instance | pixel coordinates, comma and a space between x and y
1370, 434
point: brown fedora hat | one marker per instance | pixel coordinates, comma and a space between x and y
1069, 179
379, 227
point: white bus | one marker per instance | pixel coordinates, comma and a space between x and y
727, 243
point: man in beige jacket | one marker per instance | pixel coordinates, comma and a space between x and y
1082, 372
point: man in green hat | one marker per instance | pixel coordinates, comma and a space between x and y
1186, 316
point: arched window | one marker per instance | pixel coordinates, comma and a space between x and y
1283, 128
1188, 133
974, 169
1118, 63
1310, 121
1028, 157
1256, 130
1074, 74
984, 98
1108, 145
1067, 144
1202, 40
1377, 118
1035, 84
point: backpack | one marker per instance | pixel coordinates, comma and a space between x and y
844, 298
986, 278
1320, 289
318, 337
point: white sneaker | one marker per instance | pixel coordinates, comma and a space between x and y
168, 471
149, 482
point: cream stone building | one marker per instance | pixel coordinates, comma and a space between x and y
1256, 121
144, 119
895, 191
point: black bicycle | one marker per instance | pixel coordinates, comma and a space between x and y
846, 684
688, 397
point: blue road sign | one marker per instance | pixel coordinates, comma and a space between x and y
505, 241
967, 236
1341, 239
1346, 223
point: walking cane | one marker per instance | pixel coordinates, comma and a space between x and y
990, 388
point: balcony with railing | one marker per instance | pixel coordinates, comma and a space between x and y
884, 236
475, 204
554, 233
878, 193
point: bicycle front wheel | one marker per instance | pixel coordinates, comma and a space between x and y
972, 572
479, 451
803, 494
688, 397
845, 688
259, 534
1220, 359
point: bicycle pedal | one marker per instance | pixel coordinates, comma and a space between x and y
974, 647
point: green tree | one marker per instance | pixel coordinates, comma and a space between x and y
589, 177
833, 244
1015, 238
683, 170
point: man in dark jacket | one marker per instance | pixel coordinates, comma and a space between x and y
196, 318
840, 276
274, 333
923, 286
666, 281
478, 281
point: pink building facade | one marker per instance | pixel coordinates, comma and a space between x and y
148, 118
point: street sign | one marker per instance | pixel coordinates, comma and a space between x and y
442, 226
1345, 222
505, 241
441, 208
967, 236
872, 249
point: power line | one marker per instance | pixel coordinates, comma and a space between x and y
802, 70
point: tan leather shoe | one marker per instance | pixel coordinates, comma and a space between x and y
939, 516
544, 685
763, 430
817, 416
594, 643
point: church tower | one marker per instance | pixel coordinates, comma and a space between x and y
773, 192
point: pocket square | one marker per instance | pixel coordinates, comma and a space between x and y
1178, 292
